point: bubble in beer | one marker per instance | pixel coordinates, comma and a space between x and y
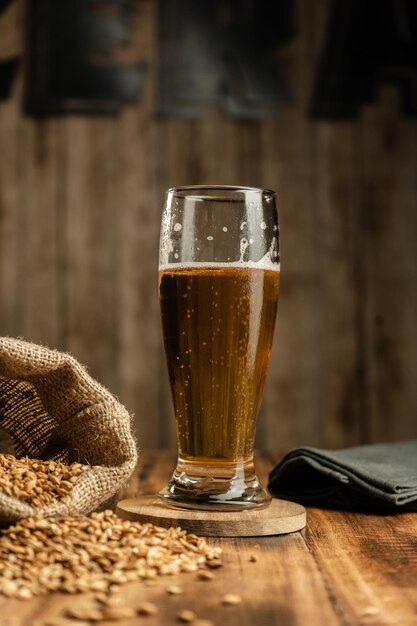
242, 226
210, 238
263, 225
225, 229
176, 255
177, 226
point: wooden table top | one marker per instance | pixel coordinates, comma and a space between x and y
344, 569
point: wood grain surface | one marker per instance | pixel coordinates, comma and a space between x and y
344, 569
80, 207
279, 518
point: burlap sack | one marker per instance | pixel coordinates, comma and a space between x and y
52, 409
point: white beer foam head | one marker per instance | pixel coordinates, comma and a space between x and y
263, 264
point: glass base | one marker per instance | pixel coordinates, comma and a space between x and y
215, 486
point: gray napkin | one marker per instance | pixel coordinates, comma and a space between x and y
378, 476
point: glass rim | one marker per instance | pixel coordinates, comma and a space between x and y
225, 192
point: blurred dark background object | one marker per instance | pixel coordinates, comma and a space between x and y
8, 62
7, 73
80, 205
3, 4
367, 44
225, 52
72, 55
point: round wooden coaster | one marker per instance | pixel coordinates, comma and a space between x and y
278, 518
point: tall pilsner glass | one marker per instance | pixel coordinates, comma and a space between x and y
219, 276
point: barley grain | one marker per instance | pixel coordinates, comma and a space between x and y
85, 612
231, 599
38, 483
186, 616
147, 608
78, 554
174, 590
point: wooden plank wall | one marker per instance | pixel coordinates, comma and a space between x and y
80, 205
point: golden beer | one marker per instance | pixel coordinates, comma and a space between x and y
218, 325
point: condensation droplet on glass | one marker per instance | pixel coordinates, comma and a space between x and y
274, 248
251, 240
243, 245
210, 238
275, 228
242, 226
225, 229
177, 226
263, 225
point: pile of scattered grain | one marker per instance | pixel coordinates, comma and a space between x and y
93, 553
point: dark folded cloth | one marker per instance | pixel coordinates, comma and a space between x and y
374, 477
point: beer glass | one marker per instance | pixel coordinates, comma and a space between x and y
219, 274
